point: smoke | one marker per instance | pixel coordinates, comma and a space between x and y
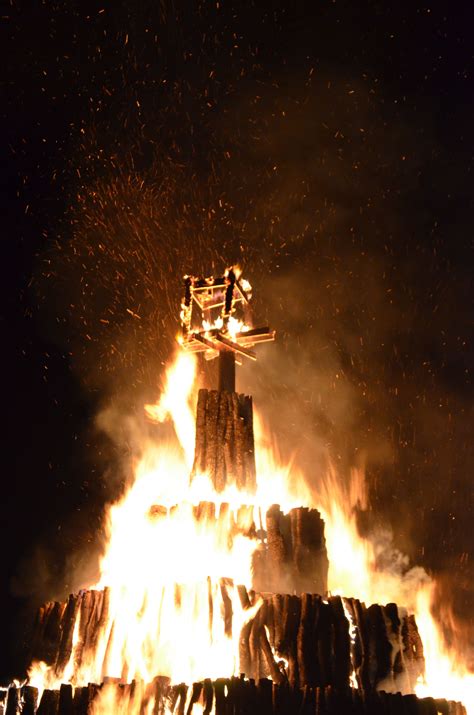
317, 180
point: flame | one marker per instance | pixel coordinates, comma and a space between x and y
173, 566
233, 327
446, 675
375, 572
177, 402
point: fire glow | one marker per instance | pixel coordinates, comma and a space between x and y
172, 568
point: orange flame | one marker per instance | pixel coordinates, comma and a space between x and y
173, 570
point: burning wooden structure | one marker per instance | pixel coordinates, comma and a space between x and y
300, 649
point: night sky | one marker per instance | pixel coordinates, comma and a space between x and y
325, 146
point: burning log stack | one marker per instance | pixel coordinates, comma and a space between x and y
301, 650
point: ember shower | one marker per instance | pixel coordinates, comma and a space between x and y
287, 169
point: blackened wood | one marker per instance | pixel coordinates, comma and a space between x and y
65, 700
220, 699
208, 693
264, 697
324, 632
12, 701
308, 704
281, 698
29, 696
305, 643
379, 646
292, 625
226, 370
341, 644
49, 702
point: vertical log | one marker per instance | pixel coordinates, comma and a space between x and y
65, 700
379, 646
199, 466
29, 696
49, 703
264, 697
324, 631
67, 631
208, 693
13, 700
277, 555
292, 625
195, 695
305, 642
341, 644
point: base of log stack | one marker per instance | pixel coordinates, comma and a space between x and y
224, 696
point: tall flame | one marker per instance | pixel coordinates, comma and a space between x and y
173, 568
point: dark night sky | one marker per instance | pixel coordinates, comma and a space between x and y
325, 145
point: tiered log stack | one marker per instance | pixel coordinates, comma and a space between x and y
298, 654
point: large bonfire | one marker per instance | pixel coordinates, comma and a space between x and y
173, 569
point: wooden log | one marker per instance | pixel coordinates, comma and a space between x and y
208, 693
324, 635
219, 695
277, 553
200, 446
221, 477
305, 643
264, 697
29, 697
160, 689
281, 698
68, 622
227, 606
13, 700
341, 644
238, 449
257, 665
309, 557
195, 695
414, 661
49, 702
379, 650
65, 700
271, 667
224, 448
292, 625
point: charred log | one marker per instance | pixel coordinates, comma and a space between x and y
237, 696
224, 440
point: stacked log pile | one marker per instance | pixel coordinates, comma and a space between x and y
306, 640
298, 653
311, 641
224, 440
293, 557
53, 629
230, 696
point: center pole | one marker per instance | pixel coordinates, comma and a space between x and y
226, 371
